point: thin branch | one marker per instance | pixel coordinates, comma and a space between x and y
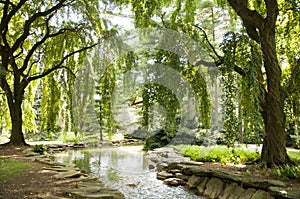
162, 20
207, 40
20, 53
215, 64
60, 64
6, 17
42, 41
36, 45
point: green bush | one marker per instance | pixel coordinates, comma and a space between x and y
39, 148
70, 137
220, 154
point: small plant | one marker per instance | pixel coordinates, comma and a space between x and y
249, 173
286, 172
39, 148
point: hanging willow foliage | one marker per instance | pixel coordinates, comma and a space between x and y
240, 50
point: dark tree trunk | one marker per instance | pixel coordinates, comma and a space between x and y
274, 144
15, 108
262, 30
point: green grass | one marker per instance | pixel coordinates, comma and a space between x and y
11, 169
294, 154
220, 154
69, 137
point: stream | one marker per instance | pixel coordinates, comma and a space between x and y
121, 167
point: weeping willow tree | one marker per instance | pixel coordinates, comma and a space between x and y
271, 28
36, 39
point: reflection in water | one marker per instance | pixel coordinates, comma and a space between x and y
123, 166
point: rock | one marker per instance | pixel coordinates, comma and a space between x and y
214, 188
260, 194
181, 176
202, 185
176, 165
59, 169
174, 181
238, 192
248, 194
232, 191
151, 167
174, 171
89, 192
68, 174
262, 183
50, 197
164, 175
193, 181
227, 176
285, 192
196, 170
161, 166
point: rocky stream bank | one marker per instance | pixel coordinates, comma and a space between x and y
211, 182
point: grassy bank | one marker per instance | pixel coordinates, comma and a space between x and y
11, 169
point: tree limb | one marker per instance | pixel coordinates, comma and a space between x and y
31, 20
215, 64
6, 17
59, 65
252, 20
42, 41
272, 12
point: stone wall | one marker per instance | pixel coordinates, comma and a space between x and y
224, 185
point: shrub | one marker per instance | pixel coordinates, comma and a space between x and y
286, 172
39, 148
220, 154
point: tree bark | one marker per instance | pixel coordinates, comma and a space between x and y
15, 108
274, 145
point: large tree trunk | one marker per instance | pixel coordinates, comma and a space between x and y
262, 30
274, 144
15, 108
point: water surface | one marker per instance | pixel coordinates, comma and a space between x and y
123, 166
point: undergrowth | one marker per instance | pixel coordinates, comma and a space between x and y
287, 172
220, 154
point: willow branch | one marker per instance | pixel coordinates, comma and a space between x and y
290, 87
42, 41
60, 64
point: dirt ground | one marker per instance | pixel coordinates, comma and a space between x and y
30, 184
35, 183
